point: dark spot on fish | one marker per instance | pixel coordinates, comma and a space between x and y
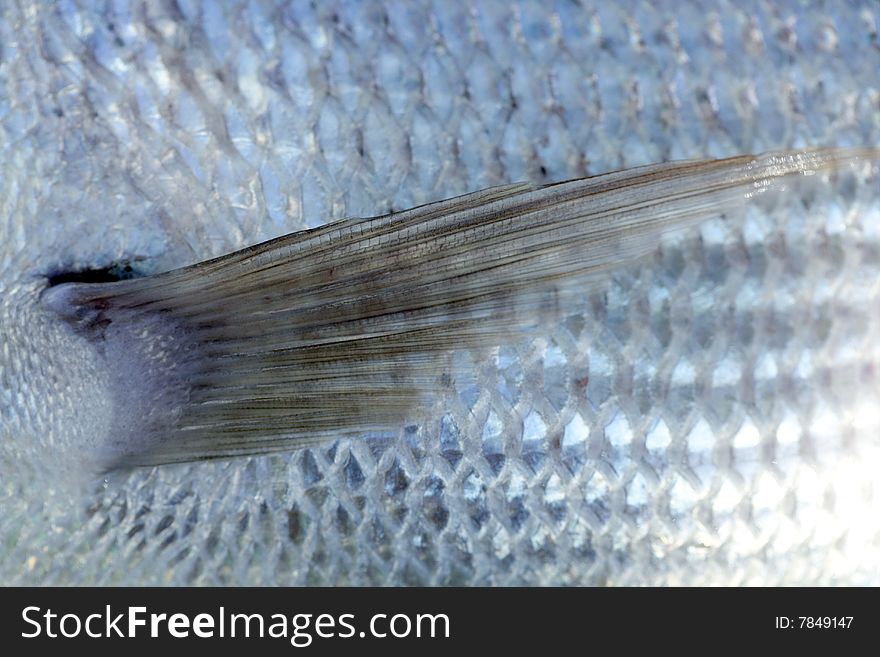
294, 525
119, 271
243, 521
163, 524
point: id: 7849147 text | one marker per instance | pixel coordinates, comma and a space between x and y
814, 622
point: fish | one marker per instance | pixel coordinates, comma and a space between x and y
704, 411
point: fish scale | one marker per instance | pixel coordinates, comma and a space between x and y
707, 418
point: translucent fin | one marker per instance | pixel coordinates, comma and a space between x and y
348, 327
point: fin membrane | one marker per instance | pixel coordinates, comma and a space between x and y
349, 326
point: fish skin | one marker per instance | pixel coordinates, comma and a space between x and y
175, 163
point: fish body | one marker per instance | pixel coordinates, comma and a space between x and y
708, 416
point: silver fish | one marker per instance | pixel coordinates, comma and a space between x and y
709, 415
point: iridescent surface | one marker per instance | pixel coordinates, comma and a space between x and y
712, 417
